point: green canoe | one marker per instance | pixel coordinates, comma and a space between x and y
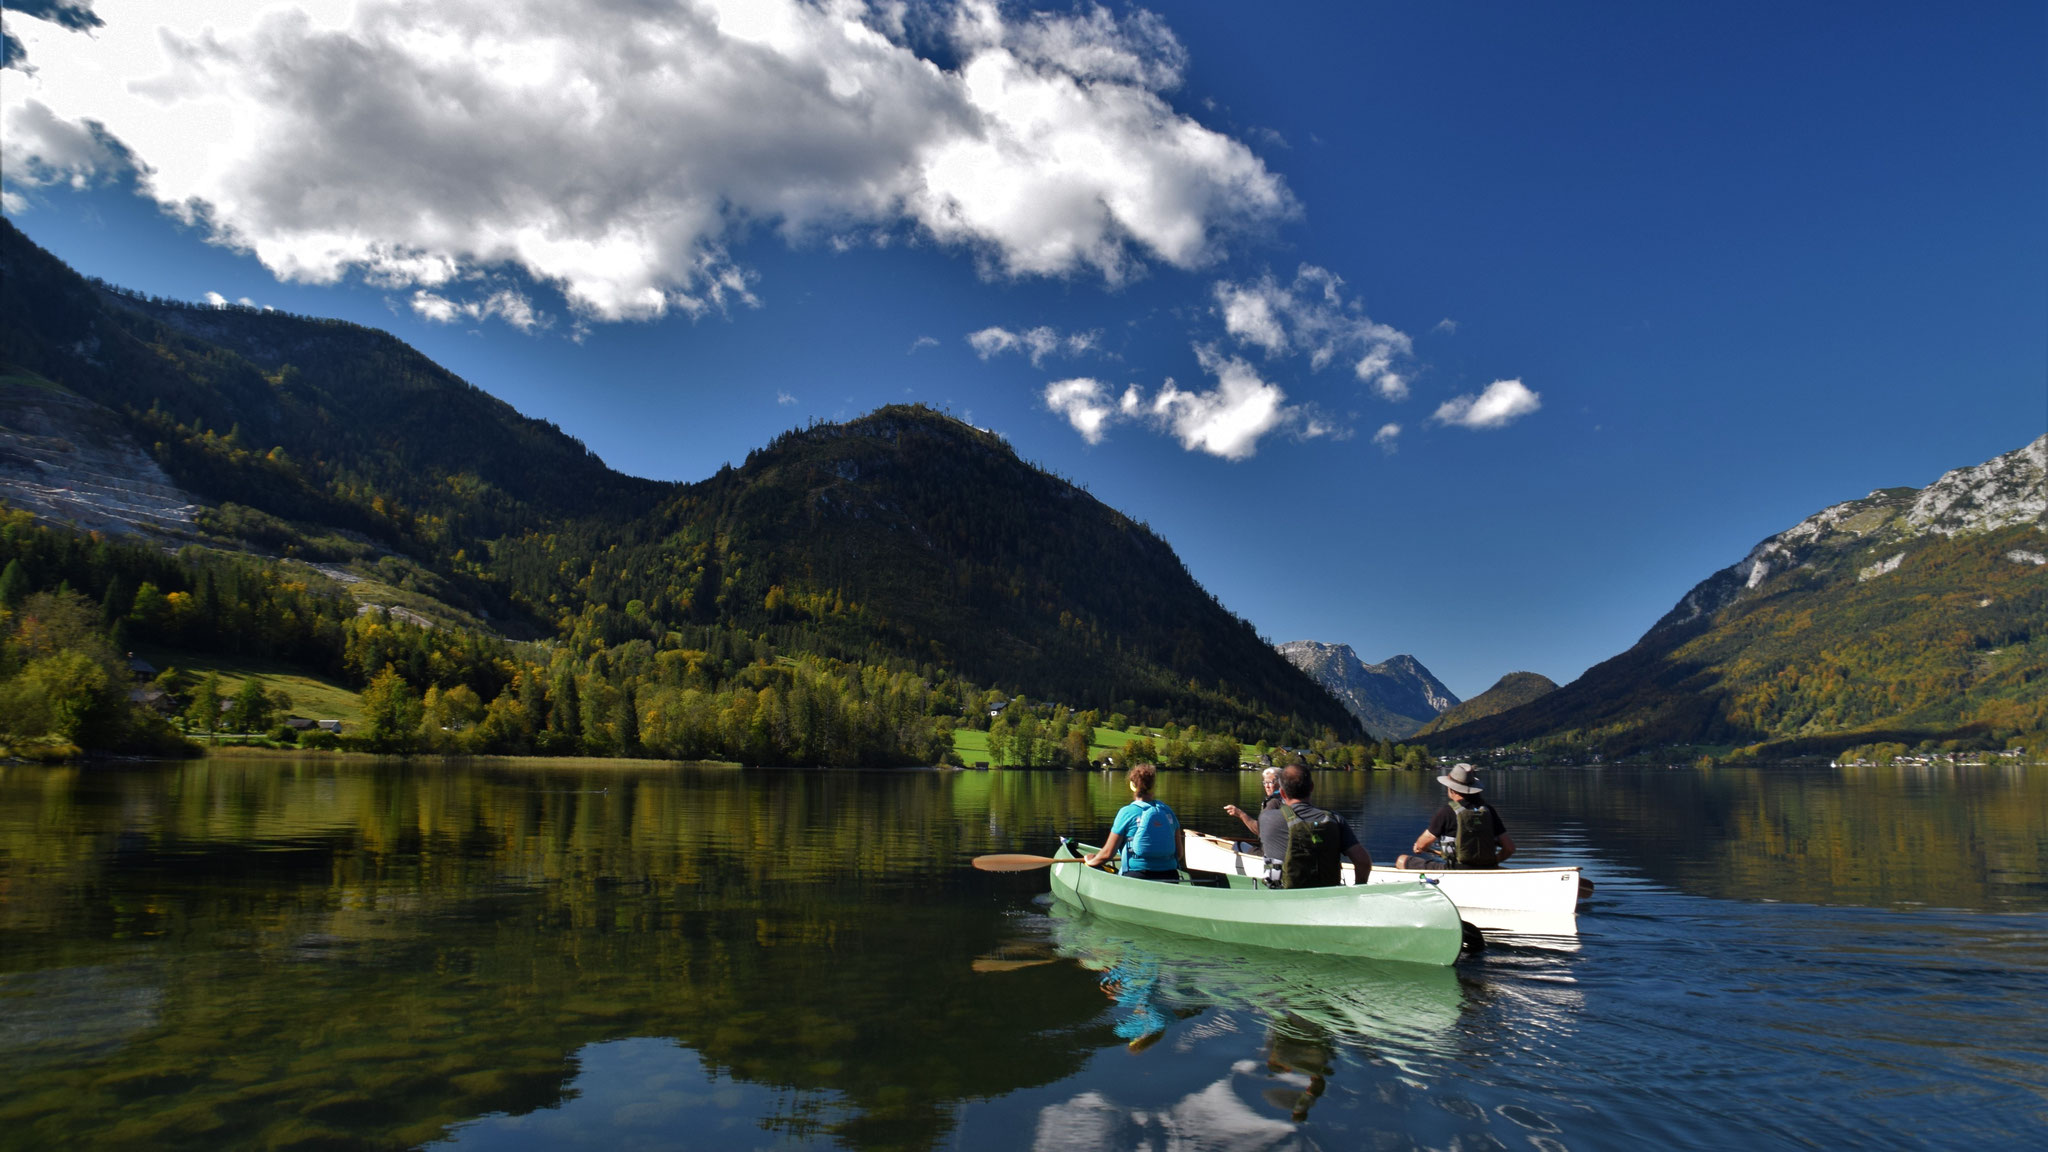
1416, 923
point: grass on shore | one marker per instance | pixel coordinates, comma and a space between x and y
971, 745
312, 697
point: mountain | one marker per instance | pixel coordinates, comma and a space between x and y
318, 419
1510, 691
910, 532
1910, 615
1393, 700
340, 464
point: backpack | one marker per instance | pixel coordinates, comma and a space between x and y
1312, 859
1155, 839
1475, 846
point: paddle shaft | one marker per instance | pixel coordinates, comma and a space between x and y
1021, 862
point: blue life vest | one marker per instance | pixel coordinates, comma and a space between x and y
1154, 844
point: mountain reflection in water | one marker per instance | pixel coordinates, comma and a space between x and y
307, 953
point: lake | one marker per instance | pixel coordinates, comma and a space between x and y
241, 953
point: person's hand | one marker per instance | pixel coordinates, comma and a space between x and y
1233, 809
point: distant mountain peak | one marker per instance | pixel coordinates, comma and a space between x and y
1392, 699
2004, 491
1904, 616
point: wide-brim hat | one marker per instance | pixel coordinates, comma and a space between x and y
1462, 778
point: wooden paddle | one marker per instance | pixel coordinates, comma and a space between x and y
997, 964
1019, 862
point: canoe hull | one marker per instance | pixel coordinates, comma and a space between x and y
1535, 901
1416, 923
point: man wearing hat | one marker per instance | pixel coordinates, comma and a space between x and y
1467, 831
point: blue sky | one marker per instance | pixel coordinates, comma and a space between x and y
1475, 332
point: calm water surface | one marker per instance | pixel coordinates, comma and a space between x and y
248, 954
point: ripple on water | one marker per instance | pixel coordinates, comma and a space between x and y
610, 957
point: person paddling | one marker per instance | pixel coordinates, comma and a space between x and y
1152, 830
1467, 832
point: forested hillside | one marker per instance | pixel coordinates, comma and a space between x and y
912, 531
303, 418
847, 596
1911, 616
1510, 691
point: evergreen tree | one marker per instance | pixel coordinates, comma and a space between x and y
14, 584
203, 713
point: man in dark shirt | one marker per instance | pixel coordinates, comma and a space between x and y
1465, 790
1296, 785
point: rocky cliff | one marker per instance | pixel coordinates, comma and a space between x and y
1392, 700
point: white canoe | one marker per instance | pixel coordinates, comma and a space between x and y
1533, 901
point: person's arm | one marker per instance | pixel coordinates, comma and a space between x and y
1241, 814
1360, 860
1107, 851
1507, 847
1423, 842
1280, 830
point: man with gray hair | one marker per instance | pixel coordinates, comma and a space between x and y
1271, 779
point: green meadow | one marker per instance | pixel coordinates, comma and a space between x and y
971, 745
312, 697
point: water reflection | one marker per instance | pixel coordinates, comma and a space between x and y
1946, 837
1403, 1010
308, 953
281, 954
652, 1093
1301, 1054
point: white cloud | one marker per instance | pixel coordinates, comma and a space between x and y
621, 151
38, 148
1311, 424
1312, 318
1503, 402
922, 342
784, 399
439, 309
1037, 343
505, 304
1084, 402
1447, 326
1387, 437
1227, 420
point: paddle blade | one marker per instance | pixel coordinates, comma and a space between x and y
1012, 862
995, 964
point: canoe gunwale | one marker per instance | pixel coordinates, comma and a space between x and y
1521, 900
